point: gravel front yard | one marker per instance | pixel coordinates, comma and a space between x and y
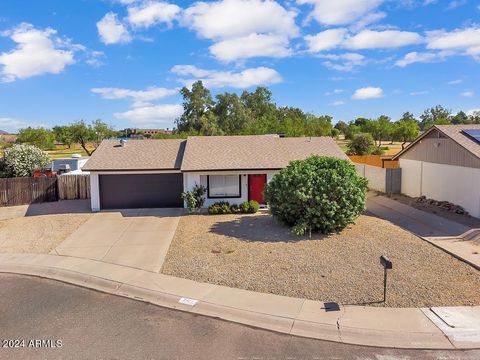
254, 252
39, 228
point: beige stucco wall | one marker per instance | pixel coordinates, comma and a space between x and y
411, 177
374, 174
457, 184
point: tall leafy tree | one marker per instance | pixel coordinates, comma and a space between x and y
406, 129
197, 102
40, 137
90, 134
461, 118
231, 114
437, 115
63, 134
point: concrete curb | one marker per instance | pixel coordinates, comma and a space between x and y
368, 326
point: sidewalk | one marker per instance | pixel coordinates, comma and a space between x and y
456, 239
438, 328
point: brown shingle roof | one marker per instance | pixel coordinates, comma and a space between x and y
253, 151
454, 132
165, 154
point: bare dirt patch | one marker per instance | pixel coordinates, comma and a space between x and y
256, 253
37, 234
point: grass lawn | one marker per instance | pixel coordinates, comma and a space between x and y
65, 152
256, 253
393, 149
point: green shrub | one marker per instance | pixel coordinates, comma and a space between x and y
318, 194
195, 198
234, 209
378, 151
220, 207
249, 207
361, 144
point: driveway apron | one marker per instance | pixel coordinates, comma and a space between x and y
137, 238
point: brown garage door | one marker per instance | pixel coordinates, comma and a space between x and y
140, 191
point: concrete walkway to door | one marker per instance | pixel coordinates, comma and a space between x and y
137, 238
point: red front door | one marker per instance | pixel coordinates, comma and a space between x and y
256, 185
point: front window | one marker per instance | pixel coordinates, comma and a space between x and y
224, 186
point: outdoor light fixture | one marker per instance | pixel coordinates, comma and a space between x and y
387, 265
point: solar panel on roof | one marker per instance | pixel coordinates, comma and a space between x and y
473, 133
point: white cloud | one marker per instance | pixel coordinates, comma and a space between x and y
151, 114
365, 39
139, 96
473, 111
334, 92
460, 41
337, 103
12, 125
368, 93
37, 52
253, 45
366, 20
468, 93
456, 4
152, 13
369, 39
236, 18
112, 31
217, 79
343, 62
455, 82
325, 40
416, 57
338, 12
421, 92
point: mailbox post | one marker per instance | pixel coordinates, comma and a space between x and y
387, 265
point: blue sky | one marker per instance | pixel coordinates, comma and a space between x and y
124, 60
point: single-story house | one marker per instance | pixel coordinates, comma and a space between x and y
153, 173
444, 164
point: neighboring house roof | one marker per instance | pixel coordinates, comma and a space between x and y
137, 155
454, 132
207, 153
253, 151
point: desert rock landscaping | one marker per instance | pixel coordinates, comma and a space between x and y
254, 252
41, 229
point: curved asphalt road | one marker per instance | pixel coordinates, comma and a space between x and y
93, 325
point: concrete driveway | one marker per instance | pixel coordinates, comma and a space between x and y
137, 238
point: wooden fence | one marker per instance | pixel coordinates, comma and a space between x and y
23, 191
73, 187
385, 162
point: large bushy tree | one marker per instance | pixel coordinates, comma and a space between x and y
361, 144
40, 137
318, 194
22, 160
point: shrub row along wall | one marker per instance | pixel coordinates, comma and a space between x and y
380, 179
24, 191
